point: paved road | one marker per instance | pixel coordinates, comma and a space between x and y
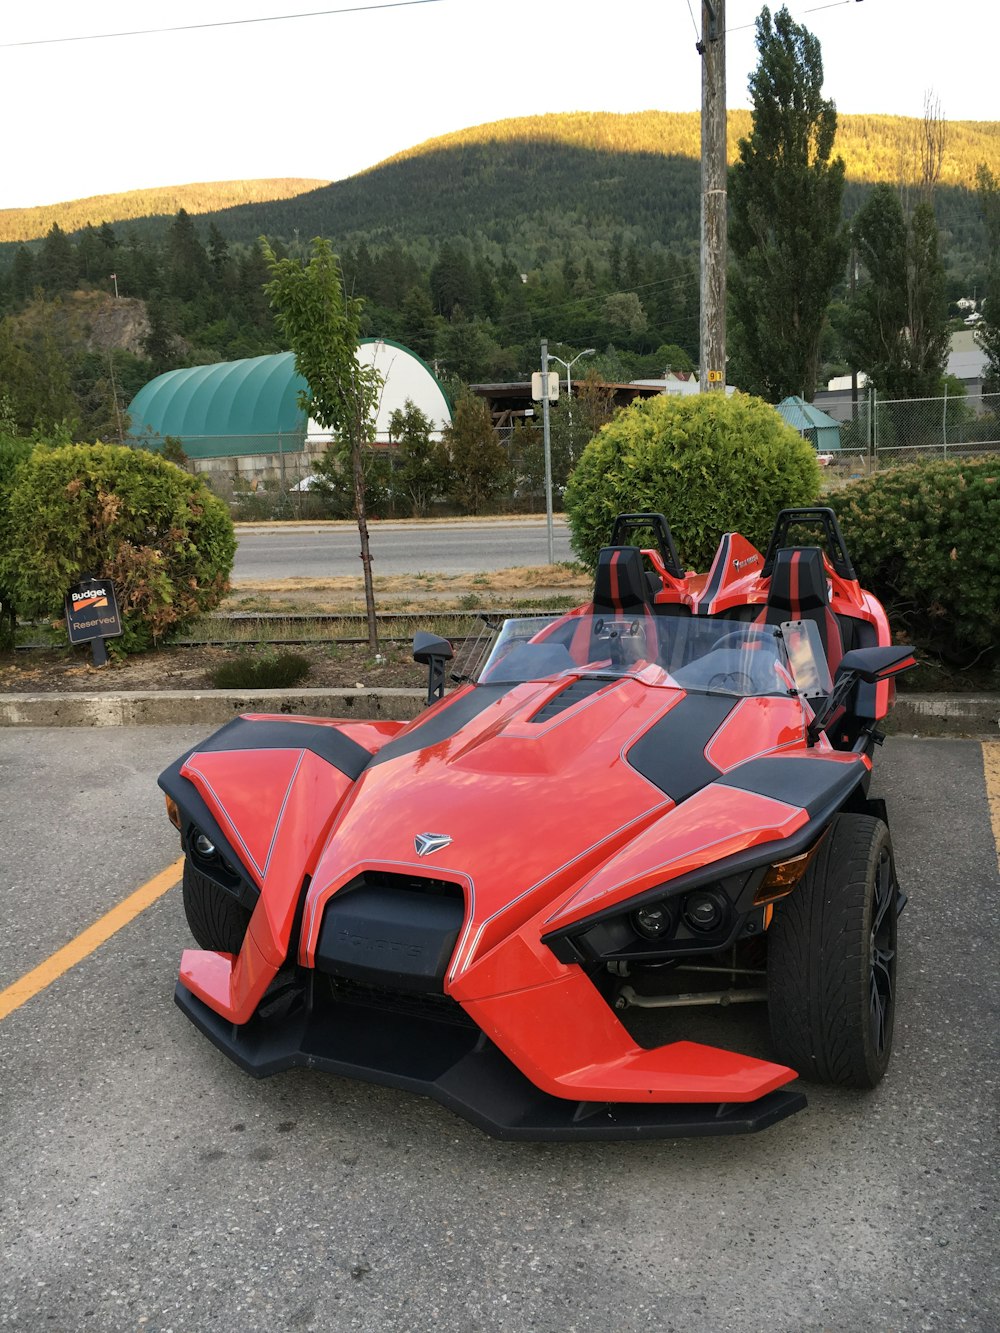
331, 551
145, 1183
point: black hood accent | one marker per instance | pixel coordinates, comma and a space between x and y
444, 723
808, 781
244, 733
671, 754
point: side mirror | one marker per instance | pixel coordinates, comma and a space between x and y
869, 665
432, 651
875, 664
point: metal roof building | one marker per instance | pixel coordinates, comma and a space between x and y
237, 408
822, 432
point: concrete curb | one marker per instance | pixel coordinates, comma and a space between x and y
913, 715
210, 707
945, 715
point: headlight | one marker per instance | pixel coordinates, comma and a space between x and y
667, 922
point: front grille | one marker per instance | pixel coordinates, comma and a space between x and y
440, 1008
393, 931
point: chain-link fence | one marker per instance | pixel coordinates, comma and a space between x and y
890, 432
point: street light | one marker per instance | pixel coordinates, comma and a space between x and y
589, 351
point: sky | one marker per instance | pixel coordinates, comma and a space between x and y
329, 95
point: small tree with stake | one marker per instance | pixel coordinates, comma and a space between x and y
321, 324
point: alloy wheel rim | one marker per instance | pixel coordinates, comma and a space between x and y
882, 956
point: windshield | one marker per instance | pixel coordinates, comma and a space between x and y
706, 654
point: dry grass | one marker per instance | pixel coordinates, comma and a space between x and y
414, 593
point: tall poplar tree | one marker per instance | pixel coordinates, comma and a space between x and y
786, 237
988, 332
897, 329
321, 325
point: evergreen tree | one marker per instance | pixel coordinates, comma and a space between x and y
787, 240
478, 460
453, 282
467, 348
418, 324
897, 323
160, 342
422, 470
57, 264
187, 264
23, 276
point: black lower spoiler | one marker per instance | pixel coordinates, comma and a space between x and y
446, 1057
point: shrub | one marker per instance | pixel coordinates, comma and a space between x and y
924, 540
13, 452
127, 515
266, 670
711, 464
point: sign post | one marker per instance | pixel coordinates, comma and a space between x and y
92, 615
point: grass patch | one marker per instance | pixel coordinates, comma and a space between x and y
261, 671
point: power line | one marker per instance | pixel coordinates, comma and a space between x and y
833, 4
222, 23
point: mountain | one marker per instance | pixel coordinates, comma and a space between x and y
538, 189
29, 224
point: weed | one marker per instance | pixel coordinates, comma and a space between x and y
261, 671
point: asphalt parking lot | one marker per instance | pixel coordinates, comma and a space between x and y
146, 1183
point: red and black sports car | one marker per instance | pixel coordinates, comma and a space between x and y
656, 800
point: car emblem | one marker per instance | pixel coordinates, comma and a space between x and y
426, 843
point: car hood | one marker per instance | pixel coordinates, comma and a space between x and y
531, 793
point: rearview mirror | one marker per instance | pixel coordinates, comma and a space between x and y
432, 651
874, 664
427, 646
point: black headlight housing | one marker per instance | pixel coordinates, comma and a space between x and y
669, 921
700, 912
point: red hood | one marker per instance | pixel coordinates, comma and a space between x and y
531, 809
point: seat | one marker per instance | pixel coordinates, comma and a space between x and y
621, 585
622, 592
800, 590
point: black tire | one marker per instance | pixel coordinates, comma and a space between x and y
831, 959
216, 920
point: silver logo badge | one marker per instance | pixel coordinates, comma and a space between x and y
426, 843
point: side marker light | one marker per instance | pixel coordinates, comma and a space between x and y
783, 876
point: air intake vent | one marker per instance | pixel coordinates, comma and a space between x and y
574, 693
391, 931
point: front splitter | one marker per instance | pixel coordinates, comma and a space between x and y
456, 1065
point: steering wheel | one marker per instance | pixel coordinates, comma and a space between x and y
732, 682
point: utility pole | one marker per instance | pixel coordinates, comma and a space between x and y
854, 371
712, 49
547, 447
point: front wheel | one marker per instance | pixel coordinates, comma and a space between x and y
216, 920
831, 959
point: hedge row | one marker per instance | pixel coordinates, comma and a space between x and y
925, 540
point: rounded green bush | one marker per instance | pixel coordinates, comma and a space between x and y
127, 515
711, 464
926, 540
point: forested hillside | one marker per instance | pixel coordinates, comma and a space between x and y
30, 224
582, 229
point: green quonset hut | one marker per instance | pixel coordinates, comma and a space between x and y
224, 410
248, 411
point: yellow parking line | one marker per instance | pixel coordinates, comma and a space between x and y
88, 940
991, 767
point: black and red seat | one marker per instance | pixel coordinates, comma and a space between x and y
800, 590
